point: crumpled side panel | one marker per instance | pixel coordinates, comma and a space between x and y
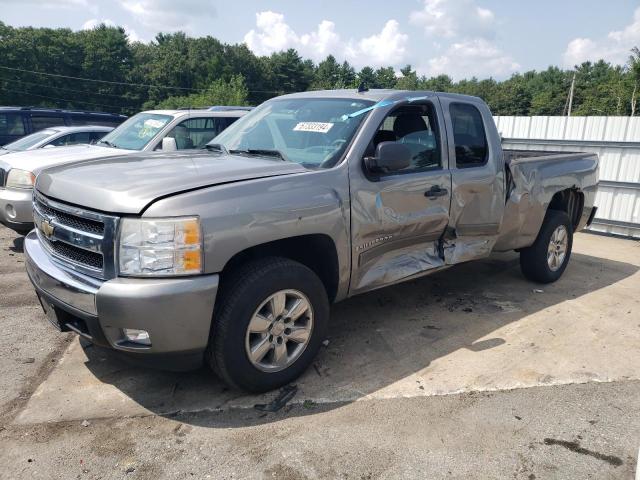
463, 249
400, 264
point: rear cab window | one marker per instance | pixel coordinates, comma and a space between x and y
472, 149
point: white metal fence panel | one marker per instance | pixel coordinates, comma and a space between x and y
616, 140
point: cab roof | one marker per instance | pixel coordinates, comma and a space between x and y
377, 95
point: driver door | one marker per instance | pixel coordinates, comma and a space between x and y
397, 218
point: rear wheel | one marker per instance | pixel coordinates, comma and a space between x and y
546, 260
268, 325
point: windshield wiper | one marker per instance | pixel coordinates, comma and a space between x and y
262, 152
216, 147
108, 143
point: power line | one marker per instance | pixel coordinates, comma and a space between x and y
63, 88
99, 81
279, 92
60, 99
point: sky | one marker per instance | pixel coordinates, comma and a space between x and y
461, 38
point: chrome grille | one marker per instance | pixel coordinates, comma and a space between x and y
3, 174
75, 254
72, 221
81, 239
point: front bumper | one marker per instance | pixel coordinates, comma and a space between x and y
176, 312
15, 209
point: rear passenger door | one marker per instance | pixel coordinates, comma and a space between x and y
477, 168
398, 218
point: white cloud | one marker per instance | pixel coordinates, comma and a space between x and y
613, 48
273, 34
454, 19
462, 34
94, 22
169, 15
386, 48
55, 4
466, 59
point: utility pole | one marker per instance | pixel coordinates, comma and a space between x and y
573, 85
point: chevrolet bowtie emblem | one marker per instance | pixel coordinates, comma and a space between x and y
47, 228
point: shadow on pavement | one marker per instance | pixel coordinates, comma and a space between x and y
18, 244
376, 339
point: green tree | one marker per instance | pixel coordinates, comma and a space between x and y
385, 78
368, 77
220, 92
326, 75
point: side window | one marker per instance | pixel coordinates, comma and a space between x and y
196, 132
99, 120
415, 127
40, 122
95, 136
11, 124
469, 136
71, 139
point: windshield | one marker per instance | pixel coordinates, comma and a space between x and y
25, 143
136, 132
313, 132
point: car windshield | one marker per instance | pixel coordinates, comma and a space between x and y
136, 132
25, 143
313, 132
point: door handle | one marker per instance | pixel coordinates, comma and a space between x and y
436, 191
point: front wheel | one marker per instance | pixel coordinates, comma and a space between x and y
546, 260
268, 325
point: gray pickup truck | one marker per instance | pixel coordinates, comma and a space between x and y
232, 256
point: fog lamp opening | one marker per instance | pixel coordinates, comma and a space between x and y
140, 337
11, 211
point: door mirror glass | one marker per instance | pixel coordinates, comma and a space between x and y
169, 144
389, 157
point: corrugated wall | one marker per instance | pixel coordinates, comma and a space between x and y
616, 140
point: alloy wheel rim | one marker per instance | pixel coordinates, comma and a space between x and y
557, 251
279, 330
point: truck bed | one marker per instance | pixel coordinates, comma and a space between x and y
519, 156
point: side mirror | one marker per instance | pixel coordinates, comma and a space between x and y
390, 157
169, 144
50, 145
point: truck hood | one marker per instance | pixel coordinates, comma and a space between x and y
128, 184
41, 158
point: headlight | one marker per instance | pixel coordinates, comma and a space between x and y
20, 179
160, 246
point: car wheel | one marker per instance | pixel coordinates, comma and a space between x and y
546, 260
268, 324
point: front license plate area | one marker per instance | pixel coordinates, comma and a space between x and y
50, 313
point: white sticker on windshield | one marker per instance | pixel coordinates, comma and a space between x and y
318, 127
151, 123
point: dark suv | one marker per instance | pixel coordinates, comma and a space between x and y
16, 122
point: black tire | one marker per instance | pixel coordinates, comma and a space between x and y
533, 260
242, 293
